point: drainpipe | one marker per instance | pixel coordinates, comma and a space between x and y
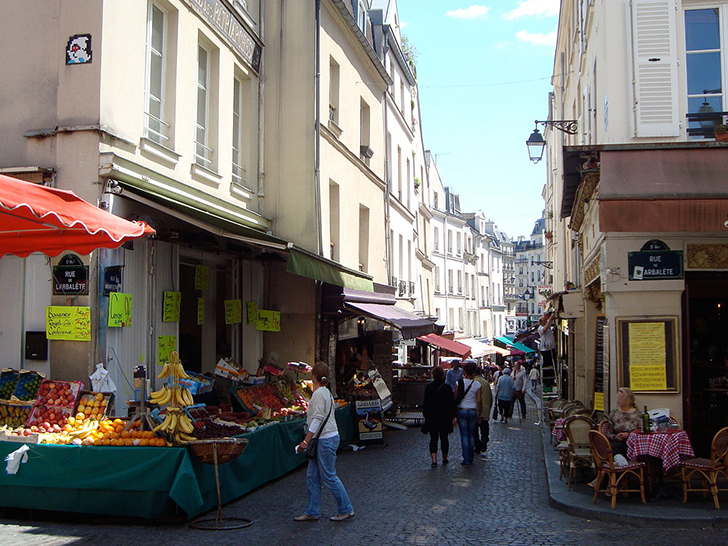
317, 133
387, 160
261, 108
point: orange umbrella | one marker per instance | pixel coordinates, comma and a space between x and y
35, 218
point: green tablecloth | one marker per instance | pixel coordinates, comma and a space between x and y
149, 482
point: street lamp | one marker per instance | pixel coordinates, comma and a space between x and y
536, 142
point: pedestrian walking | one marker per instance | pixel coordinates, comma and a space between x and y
454, 374
532, 390
504, 391
520, 378
439, 411
482, 431
469, 403
321, 423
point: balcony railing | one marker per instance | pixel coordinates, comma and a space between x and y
702, 124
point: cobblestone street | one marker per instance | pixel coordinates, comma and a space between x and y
399, 500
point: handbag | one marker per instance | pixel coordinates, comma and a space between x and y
425, 429
313, 443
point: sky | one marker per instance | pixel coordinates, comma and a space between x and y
484, 74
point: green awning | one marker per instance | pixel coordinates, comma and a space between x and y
508, 342
216, 221
307, 264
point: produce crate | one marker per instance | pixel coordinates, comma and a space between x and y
59, 393
28, 384
93, 404
197, 384
8, 382
14, 414
50, 415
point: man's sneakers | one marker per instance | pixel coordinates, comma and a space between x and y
305, 517
342, 517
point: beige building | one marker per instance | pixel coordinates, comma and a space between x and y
637, 203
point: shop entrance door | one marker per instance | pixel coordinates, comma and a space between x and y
706, 357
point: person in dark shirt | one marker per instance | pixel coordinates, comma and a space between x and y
438, 409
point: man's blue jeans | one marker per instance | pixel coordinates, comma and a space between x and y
467, 420
322, 470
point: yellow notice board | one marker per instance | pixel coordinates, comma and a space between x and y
165, 345
599, 401
119, 310
202, 277
647, 377
269, 321
233, 311
171, 306
69, 323
200, 311
647, 353
252, 311
647, 344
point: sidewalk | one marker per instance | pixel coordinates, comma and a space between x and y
698, 512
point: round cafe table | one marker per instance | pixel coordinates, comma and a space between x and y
668, 446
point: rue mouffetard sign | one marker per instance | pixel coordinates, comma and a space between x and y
655, 262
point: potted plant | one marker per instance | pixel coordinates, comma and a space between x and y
417, 183
721, 132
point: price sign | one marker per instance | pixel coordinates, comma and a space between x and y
202, 277
200, 311
165, 346
233, 311
171, 306
269, 321
119, 310
252, 307
69, 323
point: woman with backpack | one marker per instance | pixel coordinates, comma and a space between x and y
469, 406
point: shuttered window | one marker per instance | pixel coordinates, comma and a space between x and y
655, 68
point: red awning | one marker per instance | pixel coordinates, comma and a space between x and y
35, 218
447, 344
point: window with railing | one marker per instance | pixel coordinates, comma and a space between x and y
203, 153
156, 128
238, 140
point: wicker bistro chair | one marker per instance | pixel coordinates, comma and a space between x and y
618, 475
708, 470
579, 453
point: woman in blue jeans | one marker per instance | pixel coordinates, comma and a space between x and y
322, 469
469, 401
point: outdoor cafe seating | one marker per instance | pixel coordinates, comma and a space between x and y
617, 476
708, 470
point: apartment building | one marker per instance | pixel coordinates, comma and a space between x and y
639, 203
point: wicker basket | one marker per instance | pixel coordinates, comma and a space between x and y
228, 449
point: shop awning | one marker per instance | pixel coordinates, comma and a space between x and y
477, 348
508, 342
409, 324
204, 214
35, 218
307, 264
446, 344
493, 349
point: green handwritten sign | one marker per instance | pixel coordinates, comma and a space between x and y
233, 311
269, 321
165, 345
202, 277
252, 311
69, 323
200, 311
171, 306
119, 310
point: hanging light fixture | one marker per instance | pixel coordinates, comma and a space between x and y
536, 142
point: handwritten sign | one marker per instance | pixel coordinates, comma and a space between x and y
269, 321
233, 312
69, 323
200, 311
171, 306
599, 401
647, 344
202, 277
252, 311
119, 310
165, 345
648, 378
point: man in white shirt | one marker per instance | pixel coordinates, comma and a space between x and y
547, 343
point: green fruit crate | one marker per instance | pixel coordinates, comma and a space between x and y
28, 385
8, 382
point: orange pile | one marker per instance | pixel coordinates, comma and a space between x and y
112, 433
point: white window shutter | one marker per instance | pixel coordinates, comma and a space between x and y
654, 61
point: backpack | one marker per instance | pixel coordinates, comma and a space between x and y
462, 391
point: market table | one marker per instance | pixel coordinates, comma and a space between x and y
667, 446
150, 482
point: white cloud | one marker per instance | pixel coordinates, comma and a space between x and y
473, 12
530, 8
537, 39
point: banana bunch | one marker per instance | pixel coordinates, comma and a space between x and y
173, 367
177, 424
177, 396
88, 427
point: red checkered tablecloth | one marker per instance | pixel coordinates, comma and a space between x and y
670, 447
558, 431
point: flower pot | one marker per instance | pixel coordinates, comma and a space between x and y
721, 137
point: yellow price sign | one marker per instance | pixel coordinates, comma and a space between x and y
69, 323
233, 311
202, 277
165, 346
200, 311
120, 310
171, 306
269, 321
